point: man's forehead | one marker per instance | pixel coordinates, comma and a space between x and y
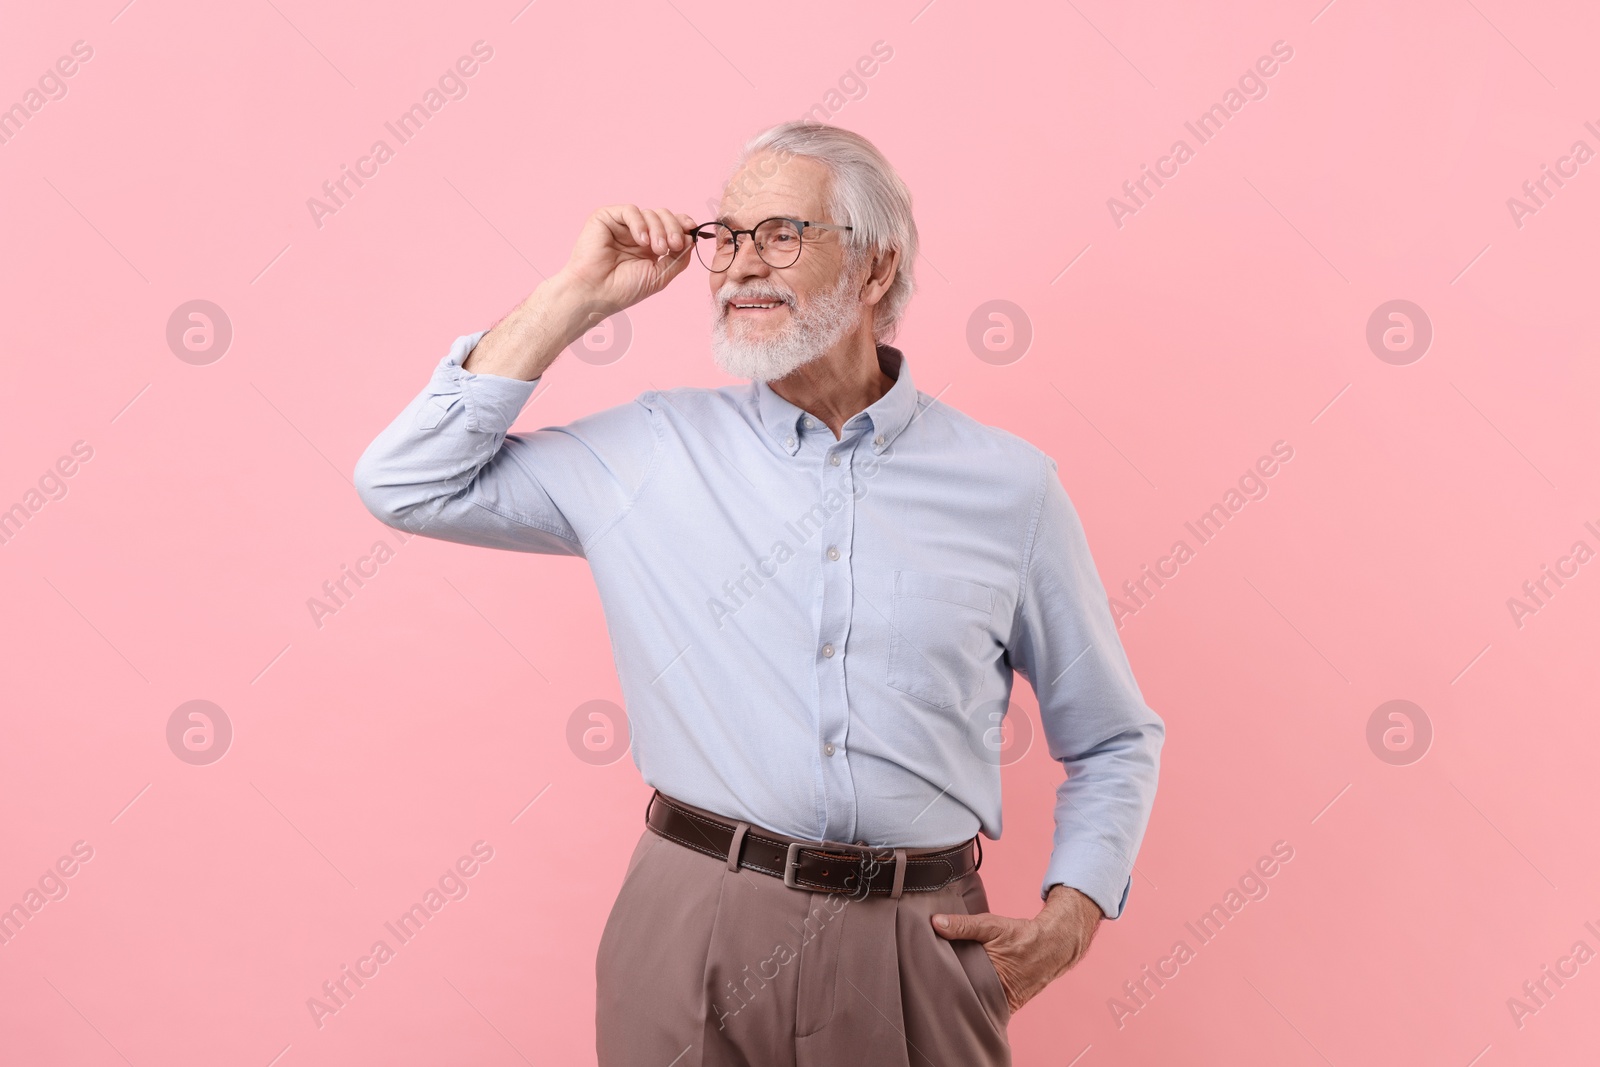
768, 185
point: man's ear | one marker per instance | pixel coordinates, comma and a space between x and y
880, 275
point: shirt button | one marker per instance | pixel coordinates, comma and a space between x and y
788, 442
827, 749
833, 460
878, 440
810, 425
827, 651
833, 552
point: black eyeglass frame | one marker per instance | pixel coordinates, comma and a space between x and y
799, 224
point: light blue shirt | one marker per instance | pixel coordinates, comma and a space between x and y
812, 635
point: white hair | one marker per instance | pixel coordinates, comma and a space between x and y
865, 193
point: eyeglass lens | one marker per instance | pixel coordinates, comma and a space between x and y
777, 243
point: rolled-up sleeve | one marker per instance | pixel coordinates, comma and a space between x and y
447, 467
1095, 720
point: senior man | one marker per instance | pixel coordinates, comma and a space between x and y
818, 586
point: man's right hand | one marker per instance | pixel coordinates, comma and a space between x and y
623, 255
626, 253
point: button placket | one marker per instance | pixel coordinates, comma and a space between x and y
833, 662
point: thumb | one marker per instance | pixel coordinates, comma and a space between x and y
674, 263
980, 927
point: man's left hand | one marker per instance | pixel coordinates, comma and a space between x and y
1029, 954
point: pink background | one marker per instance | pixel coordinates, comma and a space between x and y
1228, 313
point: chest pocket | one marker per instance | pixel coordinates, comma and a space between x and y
940, 627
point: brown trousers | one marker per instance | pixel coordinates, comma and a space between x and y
700, 966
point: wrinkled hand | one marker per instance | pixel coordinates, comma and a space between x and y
1029, 954
626, 253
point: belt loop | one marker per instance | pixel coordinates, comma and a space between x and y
733, 849
977, 839
899, 873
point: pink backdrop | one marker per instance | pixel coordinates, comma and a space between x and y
184, 493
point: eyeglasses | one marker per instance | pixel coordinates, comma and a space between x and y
777, 240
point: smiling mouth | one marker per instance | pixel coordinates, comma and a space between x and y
753, 305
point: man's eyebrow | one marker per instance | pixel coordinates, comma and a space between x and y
730, 224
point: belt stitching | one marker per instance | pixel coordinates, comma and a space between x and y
705, 849
708, 851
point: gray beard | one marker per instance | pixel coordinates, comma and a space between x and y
813, 329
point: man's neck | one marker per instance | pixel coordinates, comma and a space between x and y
839, 384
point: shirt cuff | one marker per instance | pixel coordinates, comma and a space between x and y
1093, 871
493, 402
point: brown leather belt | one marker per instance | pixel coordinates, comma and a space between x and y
817, 866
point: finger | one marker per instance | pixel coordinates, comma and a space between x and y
634, 218
673, 224
658, 231
981, 927
691, 237
674, 263
672, 237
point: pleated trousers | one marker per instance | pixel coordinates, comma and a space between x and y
702, 966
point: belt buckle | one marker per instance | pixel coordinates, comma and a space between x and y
790, 863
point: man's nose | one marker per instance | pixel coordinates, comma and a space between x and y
746, 263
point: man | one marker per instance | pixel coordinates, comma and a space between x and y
818, 586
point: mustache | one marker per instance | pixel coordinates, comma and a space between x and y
731, 292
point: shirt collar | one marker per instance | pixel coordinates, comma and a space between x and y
887, 415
